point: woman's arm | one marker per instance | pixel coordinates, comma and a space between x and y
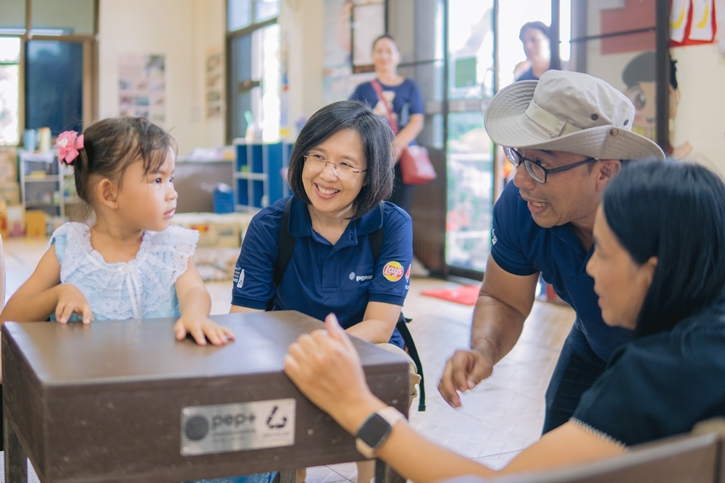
253, 281
386, 293
378, 322
238, 308
326, 368
195, 305
408, 133
416, 458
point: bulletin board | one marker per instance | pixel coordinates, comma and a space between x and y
368, 23
350, 26
142, 86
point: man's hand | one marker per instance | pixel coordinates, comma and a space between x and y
463, 372
498, 319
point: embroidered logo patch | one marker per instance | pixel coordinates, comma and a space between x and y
240, 282
393, 271
407, 274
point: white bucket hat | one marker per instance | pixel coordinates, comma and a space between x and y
570, 112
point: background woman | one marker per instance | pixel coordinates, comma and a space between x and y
534, 37
659, 268
404, 101
340, 170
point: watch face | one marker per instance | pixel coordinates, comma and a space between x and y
374, 431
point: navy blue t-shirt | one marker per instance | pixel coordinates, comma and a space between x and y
661, 385
528, 75
521, 247
322, 278
406, 100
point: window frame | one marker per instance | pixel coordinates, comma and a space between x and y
90, 65
231, 36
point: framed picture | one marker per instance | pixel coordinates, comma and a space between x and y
368, 23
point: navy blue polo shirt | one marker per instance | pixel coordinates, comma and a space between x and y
321, 277
406, 99
521, 247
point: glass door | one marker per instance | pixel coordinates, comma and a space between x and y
256, 84
617, 42
470, 161
255, 80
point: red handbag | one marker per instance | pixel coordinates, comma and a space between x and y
414, 161
416, 166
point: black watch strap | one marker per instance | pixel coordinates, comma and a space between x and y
375, 430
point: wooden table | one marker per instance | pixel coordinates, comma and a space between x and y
123, 401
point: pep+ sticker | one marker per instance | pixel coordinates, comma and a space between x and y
393, 271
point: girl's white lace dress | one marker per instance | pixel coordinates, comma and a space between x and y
140, 289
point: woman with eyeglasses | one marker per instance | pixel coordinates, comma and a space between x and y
658, 268
341, 168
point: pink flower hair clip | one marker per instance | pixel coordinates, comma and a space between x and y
68, 144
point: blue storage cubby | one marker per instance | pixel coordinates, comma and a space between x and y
242, 161
257, 158
258, 173
241, 192
259, 198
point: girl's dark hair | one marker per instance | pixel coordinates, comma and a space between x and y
381, 37
111, 145
534, 25
377, 140
675, 212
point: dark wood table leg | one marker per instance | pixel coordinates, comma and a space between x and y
288, 476
16, 465
385, 474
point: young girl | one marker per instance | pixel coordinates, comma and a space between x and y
129, 264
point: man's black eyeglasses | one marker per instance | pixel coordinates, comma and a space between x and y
535, 170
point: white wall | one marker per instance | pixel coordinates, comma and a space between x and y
301, 23
701, 112
183, 31
210, 28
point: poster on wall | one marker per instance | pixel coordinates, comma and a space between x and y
338, 78
693, 22
142, 86
338, 84
214, 84
629, 16
337, 32
368, 24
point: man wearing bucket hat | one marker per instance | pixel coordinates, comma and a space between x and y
567, 135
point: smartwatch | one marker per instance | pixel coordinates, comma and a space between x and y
376, 430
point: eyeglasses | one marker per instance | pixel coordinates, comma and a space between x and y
344, 169
535, 170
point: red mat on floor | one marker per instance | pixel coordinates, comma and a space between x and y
466, 295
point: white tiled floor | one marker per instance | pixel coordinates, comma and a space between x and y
498, 419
